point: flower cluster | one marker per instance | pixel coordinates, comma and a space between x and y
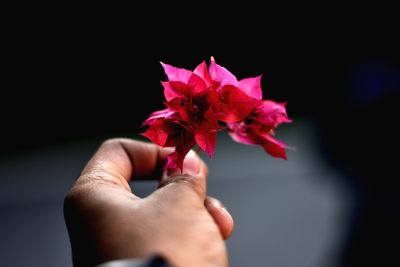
198, 101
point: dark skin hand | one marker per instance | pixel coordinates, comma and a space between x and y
106, 221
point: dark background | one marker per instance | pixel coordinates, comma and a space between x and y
76, 74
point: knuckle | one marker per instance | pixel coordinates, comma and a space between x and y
120, 142
76, 193
111, 142
71, 199
187, 181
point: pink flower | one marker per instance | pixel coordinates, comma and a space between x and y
165, 130
198, 100
222, 76
258, 128
236, 98
189, 118
191, 95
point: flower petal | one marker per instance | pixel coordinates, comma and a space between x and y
156, 135
172, 159
165, 113
175, 89
175, 159
252, 87
197, 85
207, 142
220, 74
213, 100
176, 74
272, 113
209, 123
240, 136
274, 147
163, 132
201, 71
235, 105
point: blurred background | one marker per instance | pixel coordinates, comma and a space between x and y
76, 76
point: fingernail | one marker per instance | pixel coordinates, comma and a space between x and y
221, 205
191, 165
223, 208
218, 204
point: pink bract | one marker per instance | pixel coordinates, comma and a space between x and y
198, 101
259, 126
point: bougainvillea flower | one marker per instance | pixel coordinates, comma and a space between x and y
234, 105
236, 98
163, 127
259, 126
166, 131
222, 76
190, 95
197, 101
189, 118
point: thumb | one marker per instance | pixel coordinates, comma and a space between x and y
220, 215
191, 179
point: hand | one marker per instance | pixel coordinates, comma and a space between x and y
106, 221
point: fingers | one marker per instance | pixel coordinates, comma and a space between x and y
191, 179
125, 158
220, 215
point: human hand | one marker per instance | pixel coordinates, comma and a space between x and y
106, 221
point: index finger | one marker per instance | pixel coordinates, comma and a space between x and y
127, 158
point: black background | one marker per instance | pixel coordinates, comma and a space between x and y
75, 72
